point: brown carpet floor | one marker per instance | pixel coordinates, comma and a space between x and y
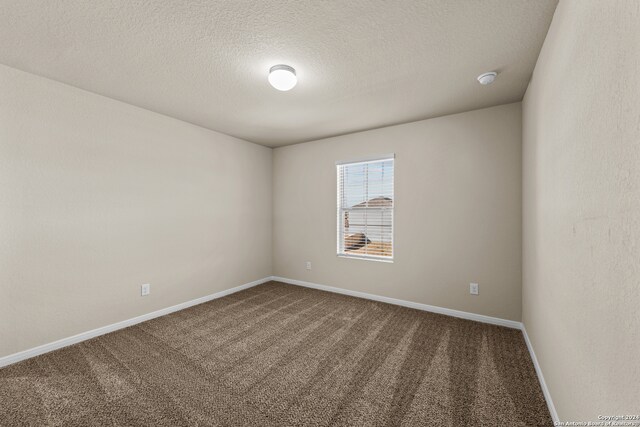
282, 355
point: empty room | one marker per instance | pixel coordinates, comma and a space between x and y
320, 213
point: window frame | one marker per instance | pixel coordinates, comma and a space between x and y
339, 223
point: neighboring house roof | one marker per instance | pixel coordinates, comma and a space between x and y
378, 202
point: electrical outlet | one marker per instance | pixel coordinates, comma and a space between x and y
308, 265
474, 288
145, 289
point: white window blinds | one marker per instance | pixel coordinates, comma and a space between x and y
365, 208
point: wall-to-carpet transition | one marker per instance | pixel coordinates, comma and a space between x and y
277, 355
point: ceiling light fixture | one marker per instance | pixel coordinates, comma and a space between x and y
282, 77
487, 78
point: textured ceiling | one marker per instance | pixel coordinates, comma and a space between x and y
361, 63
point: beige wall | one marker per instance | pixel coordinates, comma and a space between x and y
98, 197
582, 209
457, 218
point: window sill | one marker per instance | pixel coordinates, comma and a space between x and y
367, 258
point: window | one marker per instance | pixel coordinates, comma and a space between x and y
365, 208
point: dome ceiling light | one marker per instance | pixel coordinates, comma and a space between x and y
282, 77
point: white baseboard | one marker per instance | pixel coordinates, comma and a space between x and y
36, 351
543, 384
424, 307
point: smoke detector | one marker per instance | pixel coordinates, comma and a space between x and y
487, 78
